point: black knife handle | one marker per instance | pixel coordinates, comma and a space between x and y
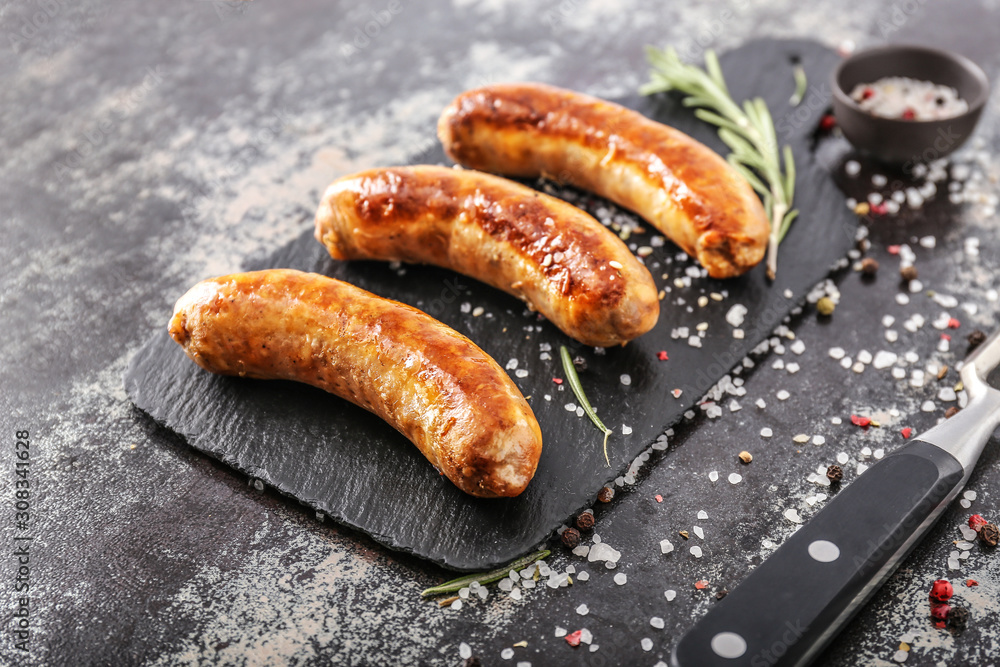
788, 608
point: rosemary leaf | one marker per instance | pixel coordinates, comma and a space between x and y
800, 86
574, 384
485, 577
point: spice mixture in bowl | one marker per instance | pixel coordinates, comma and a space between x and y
908, 104
908, 99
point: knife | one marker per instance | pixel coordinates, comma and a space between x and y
785, 611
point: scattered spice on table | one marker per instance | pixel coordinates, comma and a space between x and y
573, 638
908, 273
976, 522
721, 594
662, 355
701, 584
684, 534
658, 498
958, 619
869, 266
605, 494
906, 432
745, 456
905, 98
989, 535
971, 582
585, 521
570, 538
976, 338
825, 306
835, 474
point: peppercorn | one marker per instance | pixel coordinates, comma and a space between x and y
869, 267
976, 522
585, 521
571, 538
958, 618
976, 339
908, 272
825, 306
941, 591
989, 534
605, 494
472, 661
950, 412
746, 456
580, 363
721, 594
835, 473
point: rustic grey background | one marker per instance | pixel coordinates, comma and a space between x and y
146, 146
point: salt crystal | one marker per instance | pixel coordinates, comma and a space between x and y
506, 585
928, 242
670, 594
704, 515
560, 632
947, 394
852, 167
902, 299
583, 610
819, 440
464, 651
792, 367
586, 636
735, 478
836, 352
507, 653
798, 347
766, 432
570, 407
965, 503
970, 495
626, 430
666, 547
699, 532
900, 656
792, 515
456, 605
782, 395
696, 551
927, 406
621, 579
878, 453
656, 622
968, 533
625, 379
862, 467
512, 364
583, 576
647, 644
736, 315
760, 403
713, 476
846, 362
963, 544
884, 359
581, 550
842, 458
463, 593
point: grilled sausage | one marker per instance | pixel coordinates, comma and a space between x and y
559, 259
680, 186
428, 381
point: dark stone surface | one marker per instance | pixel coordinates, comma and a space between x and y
338, 460
148, 146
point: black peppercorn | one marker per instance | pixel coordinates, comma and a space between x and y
606, 494
989, 534
869, 267
976, 339
585, 521
908, 273
835, 473
571, 538
958, 618
580, 363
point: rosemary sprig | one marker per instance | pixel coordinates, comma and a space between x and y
574, 384
747, 130
485, 577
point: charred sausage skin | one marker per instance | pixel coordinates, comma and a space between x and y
554, 256
679, 185
428, 381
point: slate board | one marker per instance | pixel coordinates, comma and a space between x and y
341, 460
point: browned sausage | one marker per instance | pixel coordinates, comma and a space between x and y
428, 381
680, 186
549, 253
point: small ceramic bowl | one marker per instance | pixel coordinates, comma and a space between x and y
899, 141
